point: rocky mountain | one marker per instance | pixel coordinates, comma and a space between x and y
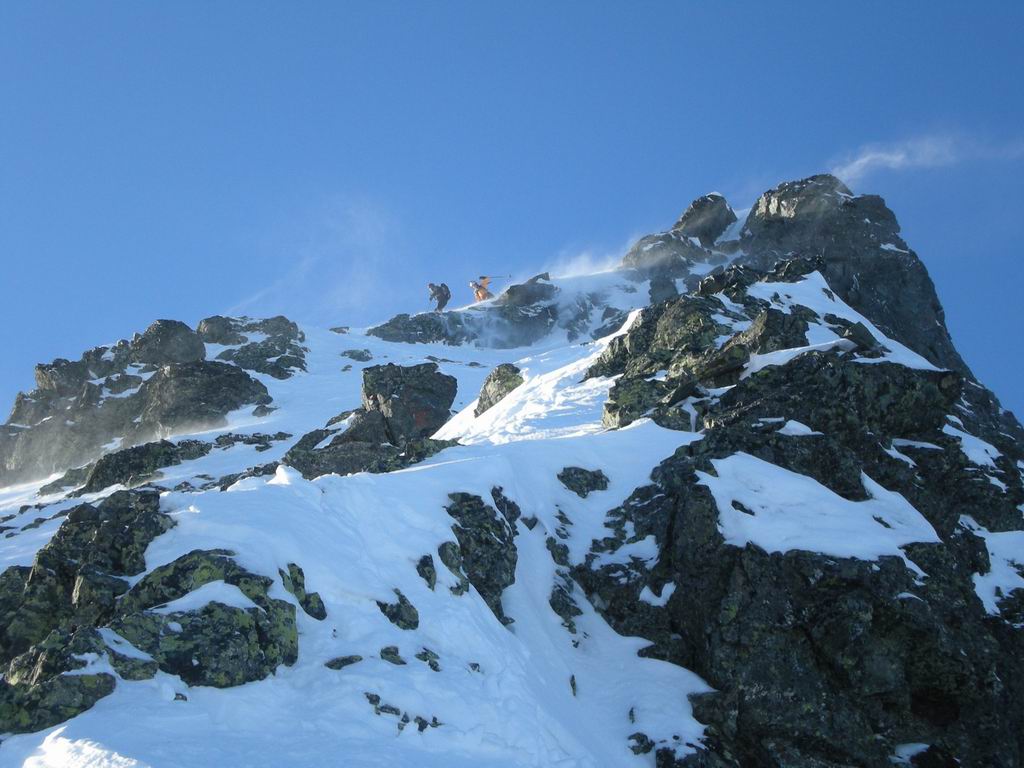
736, 503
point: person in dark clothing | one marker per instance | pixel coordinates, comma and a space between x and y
441, 294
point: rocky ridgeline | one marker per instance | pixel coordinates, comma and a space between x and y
817, 660
522, 315
157, 384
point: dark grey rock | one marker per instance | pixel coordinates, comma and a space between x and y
167, 341
486, 551
341, 662
401, 613
819, 216
294, 581
359, 355
582, 481
706, 218
415, 401
136, 465
195, 395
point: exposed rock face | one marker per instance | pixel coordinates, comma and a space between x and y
168, 341
486, 552
135, 391
582, 481
74, 582
864, 259
706, 219
133, 466
415, 401
668, 253
77, 576
402, 408
499, 382
818, 660
193, 395
280, 353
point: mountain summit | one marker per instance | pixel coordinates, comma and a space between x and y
738, 502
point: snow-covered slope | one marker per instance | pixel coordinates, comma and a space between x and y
624, 604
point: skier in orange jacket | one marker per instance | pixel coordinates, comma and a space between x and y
480, 292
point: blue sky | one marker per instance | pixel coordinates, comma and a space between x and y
327, 159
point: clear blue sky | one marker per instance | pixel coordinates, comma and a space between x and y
327, 159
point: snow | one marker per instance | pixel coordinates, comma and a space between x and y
211, 592
900, 442
782, 356
542, 696
647, 596
793, 511
1006, 558
796, 429
358, 538
813, 292
896, 454
974, 448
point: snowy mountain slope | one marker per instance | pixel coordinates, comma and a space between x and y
788, 512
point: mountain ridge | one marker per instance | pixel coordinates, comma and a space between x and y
740, 502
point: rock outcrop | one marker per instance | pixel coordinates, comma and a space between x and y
499, 382
155, 385
402, 407
706, 218
864, 259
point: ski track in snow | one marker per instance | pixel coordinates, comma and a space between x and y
358, 538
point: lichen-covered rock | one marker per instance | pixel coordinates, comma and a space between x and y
819, 660
294, 581
401, 613
486, 551
499, 382
340, 662
582, 481
76, 576
216, 645
359, 355
219, 645
663, 334
36, 692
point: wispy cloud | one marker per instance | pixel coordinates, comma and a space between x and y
339, 260
929, 151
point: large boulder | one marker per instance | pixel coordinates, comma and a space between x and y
138, 464
499, 382
415, 401
37, 692
402, 407
668, 253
